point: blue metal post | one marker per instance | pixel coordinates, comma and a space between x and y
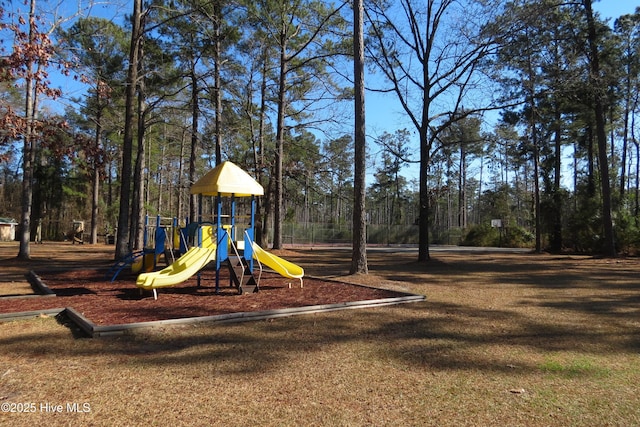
146, 230
219, 238
233, 217
251, 232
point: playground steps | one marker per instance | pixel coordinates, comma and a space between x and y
241, 276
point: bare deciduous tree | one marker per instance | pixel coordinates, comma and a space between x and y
429, 56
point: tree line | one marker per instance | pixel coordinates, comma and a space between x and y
517, 114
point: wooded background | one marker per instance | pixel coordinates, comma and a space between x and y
518, 111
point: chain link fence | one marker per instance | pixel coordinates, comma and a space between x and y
320, 233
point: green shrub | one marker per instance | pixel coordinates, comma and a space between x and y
517, 237
627, 234
482, 235
510, 237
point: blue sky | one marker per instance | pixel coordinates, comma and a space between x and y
383, 111
615, 8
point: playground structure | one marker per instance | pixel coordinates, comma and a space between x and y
163, 238
225, 241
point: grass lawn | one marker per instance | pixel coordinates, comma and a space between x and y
502, 339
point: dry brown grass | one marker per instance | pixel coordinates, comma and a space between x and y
520, 340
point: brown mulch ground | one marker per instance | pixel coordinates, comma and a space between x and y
103, 302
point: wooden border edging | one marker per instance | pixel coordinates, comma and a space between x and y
80, 321
93, 330
8, 317
38, 285
99, 331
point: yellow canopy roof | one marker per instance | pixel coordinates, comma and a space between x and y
227, 179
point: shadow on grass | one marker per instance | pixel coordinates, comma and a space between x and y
559, 306
435, 337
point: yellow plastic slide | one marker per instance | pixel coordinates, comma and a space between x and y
279, 265
194, 260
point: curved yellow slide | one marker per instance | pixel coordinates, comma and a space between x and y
194, 260
279, 265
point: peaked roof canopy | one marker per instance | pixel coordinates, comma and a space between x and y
227, 179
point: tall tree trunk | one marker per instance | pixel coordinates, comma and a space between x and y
280, 135
536, 184
424, 211
195, 117
625, 131
425, 147
95, 197
267, 210
591, 168
29, 151
556, 237
163, 170
531, 99
262, 205
181, 192
122, 240
136, 237
462, 188
359, 254
636, 210
609, 248
217, 82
